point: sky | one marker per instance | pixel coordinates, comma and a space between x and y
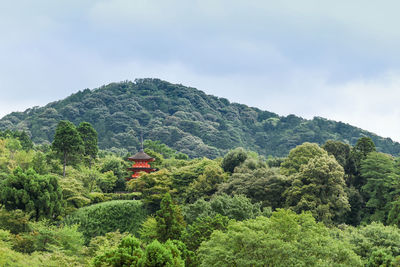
334, 59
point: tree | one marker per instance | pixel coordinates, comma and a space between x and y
170, 223
67, 141
206, 184
285, 239
237, 207
201, 229
38, 195
379, 179
153, 187
89, 138
300, 155
233, 159
319, 187
375, 243
264, 185
362, 148
99, 219
339, 150
128, 253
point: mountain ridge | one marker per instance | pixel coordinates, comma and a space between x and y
184, 118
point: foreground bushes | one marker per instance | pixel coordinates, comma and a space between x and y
285, 239
99, 219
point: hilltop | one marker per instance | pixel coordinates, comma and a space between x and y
184, 118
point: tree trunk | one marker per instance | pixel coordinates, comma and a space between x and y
65, 163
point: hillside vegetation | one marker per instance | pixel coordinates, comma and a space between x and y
184, 118
69, 204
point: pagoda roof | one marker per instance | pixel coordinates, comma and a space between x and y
140, 155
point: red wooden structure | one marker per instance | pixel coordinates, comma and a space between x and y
141, 164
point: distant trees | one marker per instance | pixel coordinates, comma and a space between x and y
70, 142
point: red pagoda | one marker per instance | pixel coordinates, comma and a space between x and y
141, 164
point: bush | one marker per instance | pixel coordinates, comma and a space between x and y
99, 219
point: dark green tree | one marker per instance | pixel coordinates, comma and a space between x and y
233, 159
339, 150
359, 152
89, 138
201, 229
170, 223
38, 195
67, 142
377, 172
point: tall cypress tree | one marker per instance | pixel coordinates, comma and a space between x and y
67, 141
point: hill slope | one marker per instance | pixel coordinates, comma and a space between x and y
184, 118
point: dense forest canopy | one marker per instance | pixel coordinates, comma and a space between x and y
183, 118
329, 205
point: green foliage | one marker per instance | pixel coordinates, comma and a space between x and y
131, 253
22, 136
237, 207
89, 138
43, 236
160, 148
364, 145
378, 172
206, 183
38, 195
183, 118
14, 221
157, 254
74, 194
192, 170
201, 229
262, 185
300, 156
153, 187
285, 239
128, 253
319, 187
233, 159
67, 141
148, 230
339, 150
375, 243
170, 223
99, 219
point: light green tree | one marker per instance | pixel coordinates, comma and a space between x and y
299, 156
285, 239
319, 187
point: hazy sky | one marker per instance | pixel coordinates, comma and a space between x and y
334, 59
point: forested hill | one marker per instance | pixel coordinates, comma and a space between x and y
184, 118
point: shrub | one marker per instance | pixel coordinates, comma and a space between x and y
99, 219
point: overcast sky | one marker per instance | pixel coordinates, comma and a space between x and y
334, 59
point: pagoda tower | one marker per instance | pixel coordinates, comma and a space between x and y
141, 164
